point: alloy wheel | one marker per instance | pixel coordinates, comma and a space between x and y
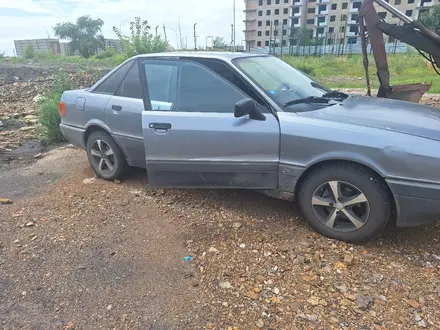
340, 206
102, 156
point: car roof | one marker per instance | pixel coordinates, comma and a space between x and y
216, 55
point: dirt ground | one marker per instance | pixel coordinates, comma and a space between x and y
82, 253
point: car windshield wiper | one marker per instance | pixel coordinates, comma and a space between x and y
310, 99
336, 95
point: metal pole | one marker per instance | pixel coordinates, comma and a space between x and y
195, 37
270, 38
156, 30
165, 33
234, 26
282, 35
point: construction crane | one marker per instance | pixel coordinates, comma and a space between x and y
412, 32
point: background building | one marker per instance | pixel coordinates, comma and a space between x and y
39, 45
61, 48
287, 22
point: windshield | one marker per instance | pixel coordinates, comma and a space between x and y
279, 80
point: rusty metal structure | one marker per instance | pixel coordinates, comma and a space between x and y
412, 32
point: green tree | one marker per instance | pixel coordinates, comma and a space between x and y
219, 43
84, 36
140, 40
29, 52
431, 18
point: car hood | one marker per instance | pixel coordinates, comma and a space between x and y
392, 115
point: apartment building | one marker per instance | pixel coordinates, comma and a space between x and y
39, 45
61, 48
277, 22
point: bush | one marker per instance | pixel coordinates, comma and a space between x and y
307, 69
29, 52
48, 111
2, 54
45, 55
105, 54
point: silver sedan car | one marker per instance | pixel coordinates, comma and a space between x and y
243, 121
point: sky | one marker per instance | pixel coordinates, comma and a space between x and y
33, 19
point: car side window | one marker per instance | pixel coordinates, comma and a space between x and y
131, 85
226, 72
109, 85
201, 90
159, 77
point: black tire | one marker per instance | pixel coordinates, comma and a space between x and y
350, 177
117, 158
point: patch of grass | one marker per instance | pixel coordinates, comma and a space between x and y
348, 71
48, 111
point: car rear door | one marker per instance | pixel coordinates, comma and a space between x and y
191, 136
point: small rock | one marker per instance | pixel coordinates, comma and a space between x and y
299, 260
252, 295
260, 323
225, 304
23, 293
341, 288
312, 317
30, 224
242, 245
438, 291
109, 307
117, 181
276, 290
5, 201
350, 296
348, 259
37, 98
380, 297
39, 155
275, 300
225, 285
213, 250
28, 128
417, 317
236, 225
285, 248
422, 324
413, 303
89, 180
364, 302
195, 283
1, 123
314, 301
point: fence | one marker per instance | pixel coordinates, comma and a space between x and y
317, 50
280, 40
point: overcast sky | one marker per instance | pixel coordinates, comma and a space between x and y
29, 19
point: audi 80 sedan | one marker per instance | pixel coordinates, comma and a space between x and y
245, 121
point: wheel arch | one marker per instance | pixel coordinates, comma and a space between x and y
324, 162
99, 126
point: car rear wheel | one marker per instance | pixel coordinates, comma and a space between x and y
105, 156
345, 201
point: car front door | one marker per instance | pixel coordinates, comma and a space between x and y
192, 138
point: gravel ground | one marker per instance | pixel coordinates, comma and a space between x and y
82, 253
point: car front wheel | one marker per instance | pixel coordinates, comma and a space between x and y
345, 201
105, 156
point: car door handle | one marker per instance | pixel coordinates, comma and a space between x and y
116, 107
163, 126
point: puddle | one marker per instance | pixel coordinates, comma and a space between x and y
27, 150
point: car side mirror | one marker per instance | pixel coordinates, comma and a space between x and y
249, 107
